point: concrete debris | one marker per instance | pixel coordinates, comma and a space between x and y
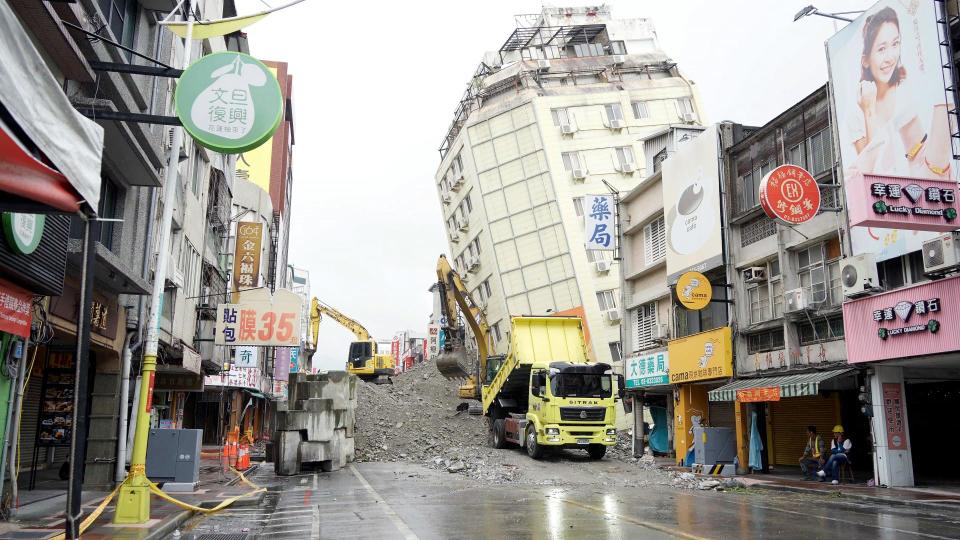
456, 466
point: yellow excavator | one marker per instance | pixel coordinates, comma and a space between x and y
362, 358
454, 361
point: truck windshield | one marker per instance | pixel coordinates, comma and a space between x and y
580, 385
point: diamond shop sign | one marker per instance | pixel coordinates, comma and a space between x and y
903, 203
229, 102
904, 311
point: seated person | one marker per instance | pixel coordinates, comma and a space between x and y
839, 450
812, 458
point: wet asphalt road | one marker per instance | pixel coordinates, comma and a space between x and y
400, 500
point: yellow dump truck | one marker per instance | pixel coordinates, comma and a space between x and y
547, 395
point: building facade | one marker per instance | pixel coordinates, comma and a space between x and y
549, 117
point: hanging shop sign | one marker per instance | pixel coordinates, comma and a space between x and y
104, 310
245, 357
433, 348
168, 381
23, 231
791, 194
757, 395
707, 355
903, 203
893, 416
294, 360
282, 360
912, 321
649, 369
600, 222
694, 290
260, 319
246, 254
15, 310
236, 378
229, 102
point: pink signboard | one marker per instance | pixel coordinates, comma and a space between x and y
912, 321
897, 202
893, 416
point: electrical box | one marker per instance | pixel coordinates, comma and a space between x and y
173, 455
712, 445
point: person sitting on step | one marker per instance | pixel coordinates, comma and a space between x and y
812, 458
839, 454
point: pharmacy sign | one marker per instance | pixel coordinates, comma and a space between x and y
229, 102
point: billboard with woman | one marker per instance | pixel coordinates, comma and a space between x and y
891, 108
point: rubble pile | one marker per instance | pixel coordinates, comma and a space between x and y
688, 480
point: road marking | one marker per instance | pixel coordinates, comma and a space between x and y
661, 528
394, 517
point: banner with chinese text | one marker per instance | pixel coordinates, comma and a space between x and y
246, 255
259, 320
600, 221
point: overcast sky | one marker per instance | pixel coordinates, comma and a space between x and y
375, 87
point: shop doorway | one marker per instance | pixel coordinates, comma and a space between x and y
930, 413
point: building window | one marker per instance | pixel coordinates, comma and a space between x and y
891, 273
578, 206
684, 106
625, 159
795, 156
607, 299
640, 110
111, 197
766, 298
613, 112
199, 165
654, 241
776, 287
820, 152
812, 274
485, 287
560, 117
594, 255
759, 303
770, 340
571, 160
915, 262
646, 317
820, 330
496, 332
475, 247
469, 203
615, 352
460, 266
121, 17
757, 229
836, 286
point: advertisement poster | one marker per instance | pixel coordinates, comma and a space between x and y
891, 109
893, 416
691, 202
246, 255
707, 355
260, 319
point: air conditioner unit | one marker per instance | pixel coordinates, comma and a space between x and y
205, 300
445, 198
465, 226
941, 254
619, 59
754, 274
616, 124
795, 300
602, 266
579, 174
454, 237
689, 117
543, 65
457, 182
858, 275
612, 315
568, 129
660, 332
473, 265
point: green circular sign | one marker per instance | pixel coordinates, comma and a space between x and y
229, 102
23, 231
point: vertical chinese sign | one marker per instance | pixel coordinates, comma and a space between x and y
600, 222
893, 416
246, 255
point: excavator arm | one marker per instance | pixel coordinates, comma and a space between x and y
318, 310
452, 361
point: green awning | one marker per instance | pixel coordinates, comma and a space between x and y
803, 384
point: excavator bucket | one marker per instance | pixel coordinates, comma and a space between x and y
453, 364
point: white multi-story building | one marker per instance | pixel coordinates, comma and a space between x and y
551, 116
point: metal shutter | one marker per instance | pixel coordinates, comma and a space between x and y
28, 422
790, 418
721, 414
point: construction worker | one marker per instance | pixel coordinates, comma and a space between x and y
812, 454
839, 454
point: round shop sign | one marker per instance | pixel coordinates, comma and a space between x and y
23, 231
694, 291
790, 193
229, 102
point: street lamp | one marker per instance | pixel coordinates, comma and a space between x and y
810, 10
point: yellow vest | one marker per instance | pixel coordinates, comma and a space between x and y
816, 446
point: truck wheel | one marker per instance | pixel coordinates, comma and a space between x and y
533, 449
597, 451
498, 434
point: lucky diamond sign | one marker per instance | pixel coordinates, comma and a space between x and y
600, 221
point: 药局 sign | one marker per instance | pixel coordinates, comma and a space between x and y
23, 231
893, 416
229, 102
756, 395
260, 320
790, 193
600, 222
246, 255
694, 290
649, 369
707, 355
16, 311
913, 321
903, 203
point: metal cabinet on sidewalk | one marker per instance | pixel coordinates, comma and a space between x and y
173, 455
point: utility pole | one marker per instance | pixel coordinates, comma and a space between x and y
133, 502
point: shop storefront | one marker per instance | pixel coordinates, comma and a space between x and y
908, 342
699, 363
648, 384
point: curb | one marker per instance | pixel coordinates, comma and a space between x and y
892, 501
167, 526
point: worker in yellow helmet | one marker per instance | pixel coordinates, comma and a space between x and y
839, 454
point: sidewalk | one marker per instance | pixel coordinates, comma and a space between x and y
44, 519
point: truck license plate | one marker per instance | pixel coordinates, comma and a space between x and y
583, 441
